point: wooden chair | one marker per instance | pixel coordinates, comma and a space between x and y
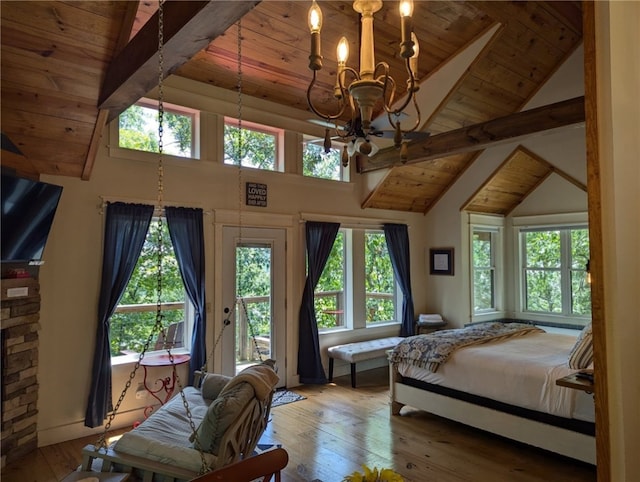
174, 337
266, 465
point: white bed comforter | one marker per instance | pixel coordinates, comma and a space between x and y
519, 371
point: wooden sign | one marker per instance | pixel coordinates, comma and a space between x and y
256, 194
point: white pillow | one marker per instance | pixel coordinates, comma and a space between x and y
581, 355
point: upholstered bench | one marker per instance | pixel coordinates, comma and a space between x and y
360, 351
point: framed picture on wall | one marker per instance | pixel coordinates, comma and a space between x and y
441, 261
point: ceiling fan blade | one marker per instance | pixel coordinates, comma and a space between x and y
8, 145
328, 125
415, 135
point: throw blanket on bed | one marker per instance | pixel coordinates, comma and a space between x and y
430, 351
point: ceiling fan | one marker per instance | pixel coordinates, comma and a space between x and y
359, 141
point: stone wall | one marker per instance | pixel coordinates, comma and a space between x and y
19, 321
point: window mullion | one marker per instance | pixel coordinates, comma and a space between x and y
565, 270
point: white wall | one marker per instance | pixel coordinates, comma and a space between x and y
70, 277
446, 227
618, 105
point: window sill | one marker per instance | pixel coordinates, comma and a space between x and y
132, 358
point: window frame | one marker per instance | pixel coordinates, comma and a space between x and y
187, 306
494, 225
565, 224
396, 288
343, 170
354, 316
276, 132
115, 150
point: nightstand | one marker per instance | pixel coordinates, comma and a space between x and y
577, 382
425, 328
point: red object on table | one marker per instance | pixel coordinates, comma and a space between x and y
167, 384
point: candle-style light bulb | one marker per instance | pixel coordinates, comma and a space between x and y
315, 18
406, 8
343, 51
315, 25
406, 29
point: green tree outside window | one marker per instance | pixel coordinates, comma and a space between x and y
129, 330
138, 130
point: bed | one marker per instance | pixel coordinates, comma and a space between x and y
502, 384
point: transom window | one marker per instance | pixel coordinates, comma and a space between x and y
554, 271
252, 145
138, 129
318, 163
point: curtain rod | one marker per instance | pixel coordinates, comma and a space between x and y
157, 209
349, 221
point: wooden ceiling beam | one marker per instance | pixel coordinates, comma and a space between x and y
511, 128
188, 28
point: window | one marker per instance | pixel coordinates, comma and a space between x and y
253, 145
554, 277
330, 291
357, 288
317, 163
486, 266
380, 283
134, 318
138, 129
483, 255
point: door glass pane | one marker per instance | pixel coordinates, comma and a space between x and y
253, 309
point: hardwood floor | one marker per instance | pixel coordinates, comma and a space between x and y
337, 428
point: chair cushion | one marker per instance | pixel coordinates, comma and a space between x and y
220, 414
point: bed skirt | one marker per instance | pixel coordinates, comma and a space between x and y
530, 431
580, 426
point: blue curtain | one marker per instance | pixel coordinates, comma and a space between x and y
126, 227
187, 236
397, 236
320, 239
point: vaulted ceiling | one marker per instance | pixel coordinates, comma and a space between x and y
69, 67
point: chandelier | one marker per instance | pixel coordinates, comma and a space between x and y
361, 91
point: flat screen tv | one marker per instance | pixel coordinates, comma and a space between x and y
28, 208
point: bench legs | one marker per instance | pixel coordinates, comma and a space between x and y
330, 369
353, 375
353, 372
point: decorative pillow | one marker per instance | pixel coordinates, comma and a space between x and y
581, 355
220, 414
212, 384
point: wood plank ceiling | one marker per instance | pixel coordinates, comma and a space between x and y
56, 56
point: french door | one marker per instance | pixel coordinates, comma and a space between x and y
253, 292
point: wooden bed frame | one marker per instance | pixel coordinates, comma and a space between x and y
564, 441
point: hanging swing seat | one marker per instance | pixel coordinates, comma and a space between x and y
230, 414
